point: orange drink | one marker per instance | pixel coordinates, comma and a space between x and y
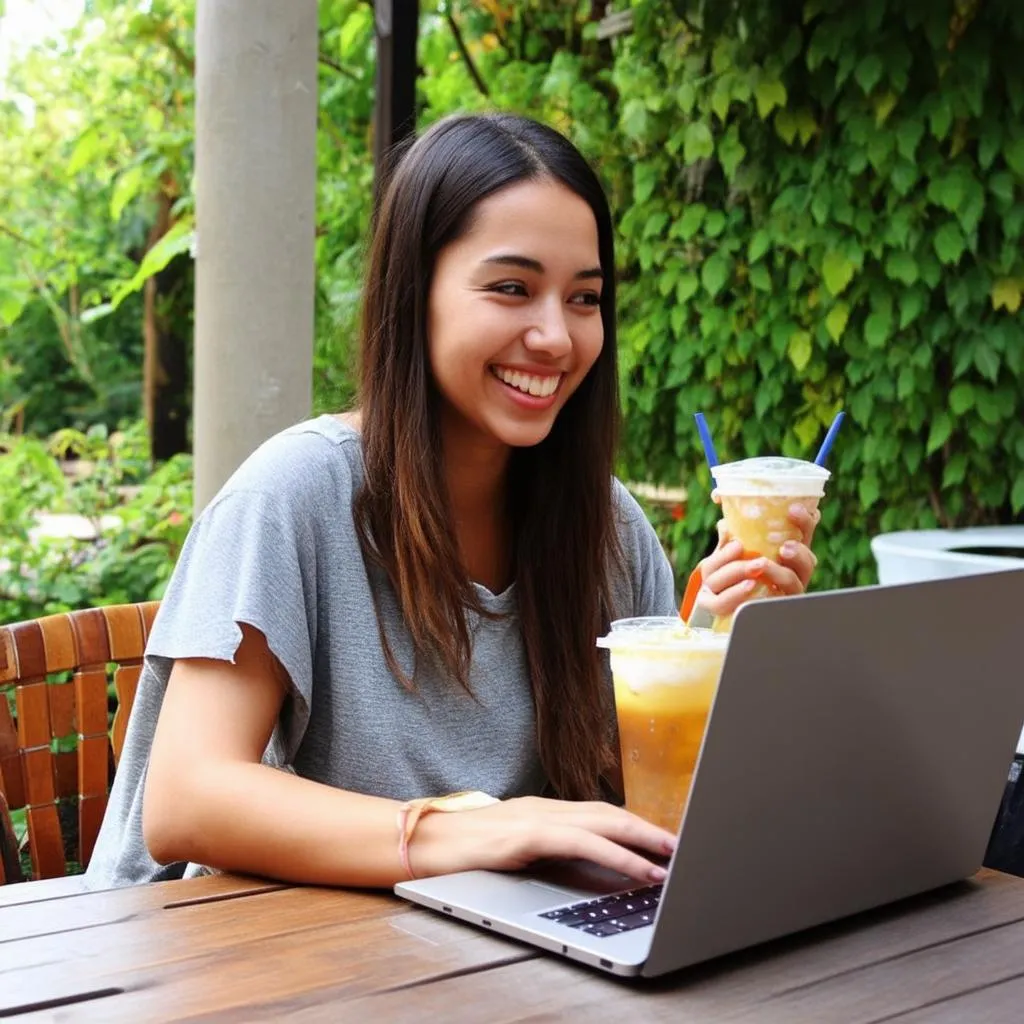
665, 676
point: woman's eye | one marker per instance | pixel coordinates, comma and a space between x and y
587, 299
514, 288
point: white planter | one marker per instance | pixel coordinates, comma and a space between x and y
912, 555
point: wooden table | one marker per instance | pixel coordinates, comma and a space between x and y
234, 949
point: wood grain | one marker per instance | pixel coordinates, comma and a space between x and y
27, 916
43, 889
33, 710
90, 818
126, 632
58, 643
271, 950
46, 843
91, 701
10, 758
10, 860
92, 642
994, 1004
233, 950
861, 969
62, 709
126, 682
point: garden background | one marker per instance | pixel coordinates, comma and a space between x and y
819, 205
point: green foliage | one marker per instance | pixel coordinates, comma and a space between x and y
96, 165
819, 206
842, 231
138, 521
344, 192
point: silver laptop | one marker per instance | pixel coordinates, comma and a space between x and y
856, 754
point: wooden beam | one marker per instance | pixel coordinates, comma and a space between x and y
397, 24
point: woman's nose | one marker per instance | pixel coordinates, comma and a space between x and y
550, 333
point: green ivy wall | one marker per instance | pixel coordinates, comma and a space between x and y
825, 211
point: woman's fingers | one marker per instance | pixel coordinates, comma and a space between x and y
595, 831
726, 588
733, 572
726, 601
801, 559
729, 579
615, 838
727, 552
777, 577
568, 842
621, 826
806, 521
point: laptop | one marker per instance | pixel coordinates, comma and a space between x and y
855, 754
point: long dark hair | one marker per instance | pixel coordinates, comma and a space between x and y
560, 491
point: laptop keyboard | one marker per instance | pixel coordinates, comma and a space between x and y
610, 915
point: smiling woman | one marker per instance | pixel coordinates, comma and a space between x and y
402, 601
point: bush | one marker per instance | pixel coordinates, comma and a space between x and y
139, 519
826, 212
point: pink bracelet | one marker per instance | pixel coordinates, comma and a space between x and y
404, 835
410, 813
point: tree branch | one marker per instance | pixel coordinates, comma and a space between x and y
466, 57
330, 62
329, 126
186, 61
11, 233
936, 503
679, 9
495, 11
502, 39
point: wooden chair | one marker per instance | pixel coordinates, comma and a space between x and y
95, 645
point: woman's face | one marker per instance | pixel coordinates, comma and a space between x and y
514, 317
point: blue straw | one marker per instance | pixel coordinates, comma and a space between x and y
705, 439
830, 437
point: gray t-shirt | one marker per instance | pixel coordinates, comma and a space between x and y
278, 549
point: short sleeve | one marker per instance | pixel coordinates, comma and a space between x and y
649, 588
246, 560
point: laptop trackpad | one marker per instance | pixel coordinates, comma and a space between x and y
578, 879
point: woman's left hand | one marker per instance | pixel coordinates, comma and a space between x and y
729, 579
797, 555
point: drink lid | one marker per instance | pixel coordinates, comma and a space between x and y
667, 632
771, 475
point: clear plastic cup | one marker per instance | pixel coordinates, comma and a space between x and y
757, 495
665, 676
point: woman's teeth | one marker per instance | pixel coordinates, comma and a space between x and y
539, 387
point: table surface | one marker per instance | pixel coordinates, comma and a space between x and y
228, 948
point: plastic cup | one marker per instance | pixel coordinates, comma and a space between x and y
665, 676
757, 495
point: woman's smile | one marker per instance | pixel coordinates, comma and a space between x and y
530, 389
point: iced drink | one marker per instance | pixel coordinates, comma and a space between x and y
665, 675
757, 495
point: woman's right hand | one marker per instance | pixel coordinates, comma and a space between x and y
512, 834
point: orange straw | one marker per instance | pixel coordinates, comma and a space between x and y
693, 585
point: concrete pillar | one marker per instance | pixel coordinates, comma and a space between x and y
256, 111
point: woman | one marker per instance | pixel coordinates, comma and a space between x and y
402, 602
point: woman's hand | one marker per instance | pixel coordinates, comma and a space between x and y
729, 579
510, 835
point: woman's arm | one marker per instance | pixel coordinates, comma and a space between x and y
209, 800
